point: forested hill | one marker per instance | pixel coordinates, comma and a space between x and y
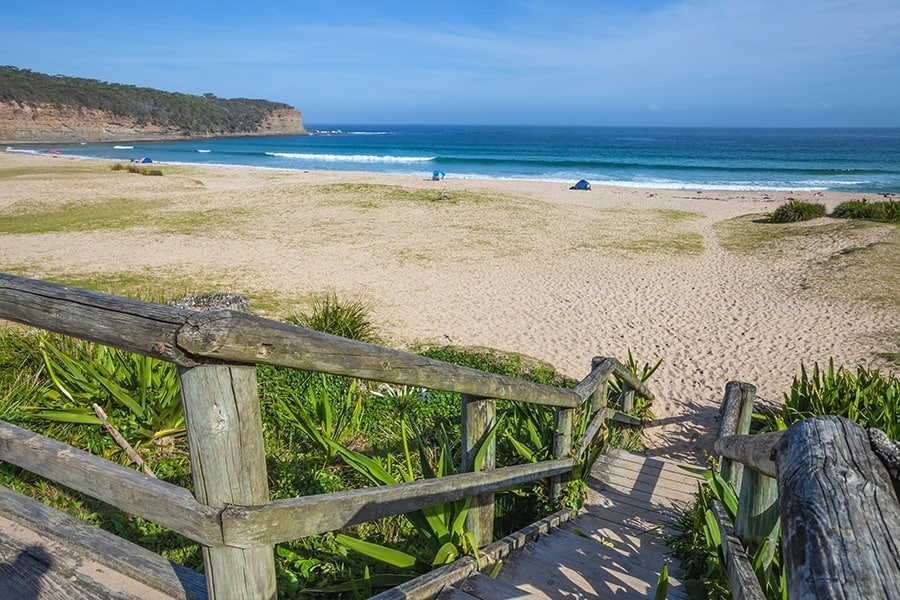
60, 102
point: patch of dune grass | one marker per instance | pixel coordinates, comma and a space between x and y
753, 235
52, 168
114, 214
111, 214
868, 273
368, 195
855, 269
644, 232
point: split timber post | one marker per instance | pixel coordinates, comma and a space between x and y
479, 415
840, 515
734, 419
228, 464
757, 514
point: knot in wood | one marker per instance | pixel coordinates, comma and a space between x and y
205, 332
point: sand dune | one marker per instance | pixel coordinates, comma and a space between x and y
530, 267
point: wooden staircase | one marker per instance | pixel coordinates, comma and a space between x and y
613, 548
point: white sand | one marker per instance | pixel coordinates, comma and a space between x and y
528, 267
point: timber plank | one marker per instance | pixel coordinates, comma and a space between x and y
451, 593
483, 587
54, 555
565, 564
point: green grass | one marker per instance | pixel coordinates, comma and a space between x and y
53, 169
109, 215
651, 231
857, 269
137, 169
116, 214
752, 235
797, 210
371, 195
870, 273
885, 211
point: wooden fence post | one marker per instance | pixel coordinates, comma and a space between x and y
563, 424
627, 399
228, 465
840, 517
734, 419
599, 397
757, 513
479, 415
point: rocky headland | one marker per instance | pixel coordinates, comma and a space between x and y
47, 123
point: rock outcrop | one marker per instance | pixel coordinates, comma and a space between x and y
52, 124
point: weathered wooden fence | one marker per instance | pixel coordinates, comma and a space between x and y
230, 512
832, 487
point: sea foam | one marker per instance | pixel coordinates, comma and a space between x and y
359, 158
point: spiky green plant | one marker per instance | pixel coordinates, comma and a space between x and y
442, 527
330, 411
797, 210
887, 211
698, 540
866, 397
140, 395
348, 319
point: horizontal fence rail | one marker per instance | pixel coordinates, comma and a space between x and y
230, 513
189, 338
163, 503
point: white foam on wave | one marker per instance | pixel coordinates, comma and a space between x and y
204, 151
713, 187
367, 133
357, 158
21, 151
123, 147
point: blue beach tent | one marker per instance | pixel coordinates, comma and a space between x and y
581, 185
437, 175
146, 159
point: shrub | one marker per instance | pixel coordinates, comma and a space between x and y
346, 319
887, 211
797, 210
137, 169
867, 397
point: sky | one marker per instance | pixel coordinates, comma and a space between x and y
751, 63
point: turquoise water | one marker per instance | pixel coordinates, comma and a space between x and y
864, 160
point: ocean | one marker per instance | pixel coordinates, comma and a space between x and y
857, 160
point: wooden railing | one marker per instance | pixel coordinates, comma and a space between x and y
831, 485
230, 512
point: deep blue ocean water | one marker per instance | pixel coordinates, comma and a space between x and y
864, 160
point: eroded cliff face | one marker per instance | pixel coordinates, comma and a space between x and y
52, 124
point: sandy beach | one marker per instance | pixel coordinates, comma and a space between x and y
687, 276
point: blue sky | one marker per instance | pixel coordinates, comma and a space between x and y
602, 62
